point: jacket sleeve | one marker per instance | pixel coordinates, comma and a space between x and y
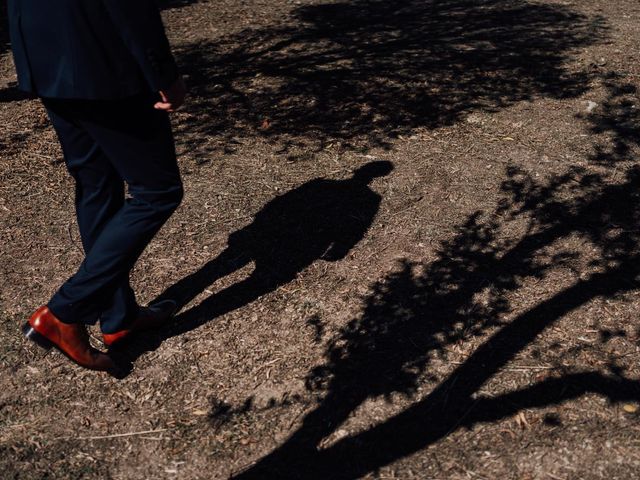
140, 26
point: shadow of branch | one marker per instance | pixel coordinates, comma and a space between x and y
420, 310
361, 73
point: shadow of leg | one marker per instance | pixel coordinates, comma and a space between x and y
227, 300
192, 285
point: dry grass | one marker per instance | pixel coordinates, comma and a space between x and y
471, 315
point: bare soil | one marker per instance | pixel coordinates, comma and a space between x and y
409, 248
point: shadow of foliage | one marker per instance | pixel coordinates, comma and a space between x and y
12, 94
619, 117
169, 4
363, 72
4, 28
415, 313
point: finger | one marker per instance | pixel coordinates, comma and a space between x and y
163, 106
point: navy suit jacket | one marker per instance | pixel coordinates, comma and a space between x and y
90, 49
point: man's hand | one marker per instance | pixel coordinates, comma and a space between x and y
173, 97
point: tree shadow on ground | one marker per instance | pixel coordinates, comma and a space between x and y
415, 313
13, 94
4, 28
169, 4
360, 73
364, 73
320, 220
618, 118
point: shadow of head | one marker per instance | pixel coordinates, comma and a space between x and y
368, 172
416, 314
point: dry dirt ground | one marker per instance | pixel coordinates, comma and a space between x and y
409, 248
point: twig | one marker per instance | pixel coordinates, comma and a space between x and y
520, 368
554, 476
120, 435
47, 157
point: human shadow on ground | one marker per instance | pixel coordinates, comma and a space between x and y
322, 219
364, 71
361, 73
417, 312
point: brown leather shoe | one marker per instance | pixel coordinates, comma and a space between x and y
71, 339
149, 318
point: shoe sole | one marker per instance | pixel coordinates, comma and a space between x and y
39, 339
31, 334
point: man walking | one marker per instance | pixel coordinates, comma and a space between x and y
105, 73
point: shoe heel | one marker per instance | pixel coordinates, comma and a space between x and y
35, 337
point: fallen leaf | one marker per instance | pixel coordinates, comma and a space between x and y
522, 421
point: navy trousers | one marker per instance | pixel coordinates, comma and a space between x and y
108, 144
